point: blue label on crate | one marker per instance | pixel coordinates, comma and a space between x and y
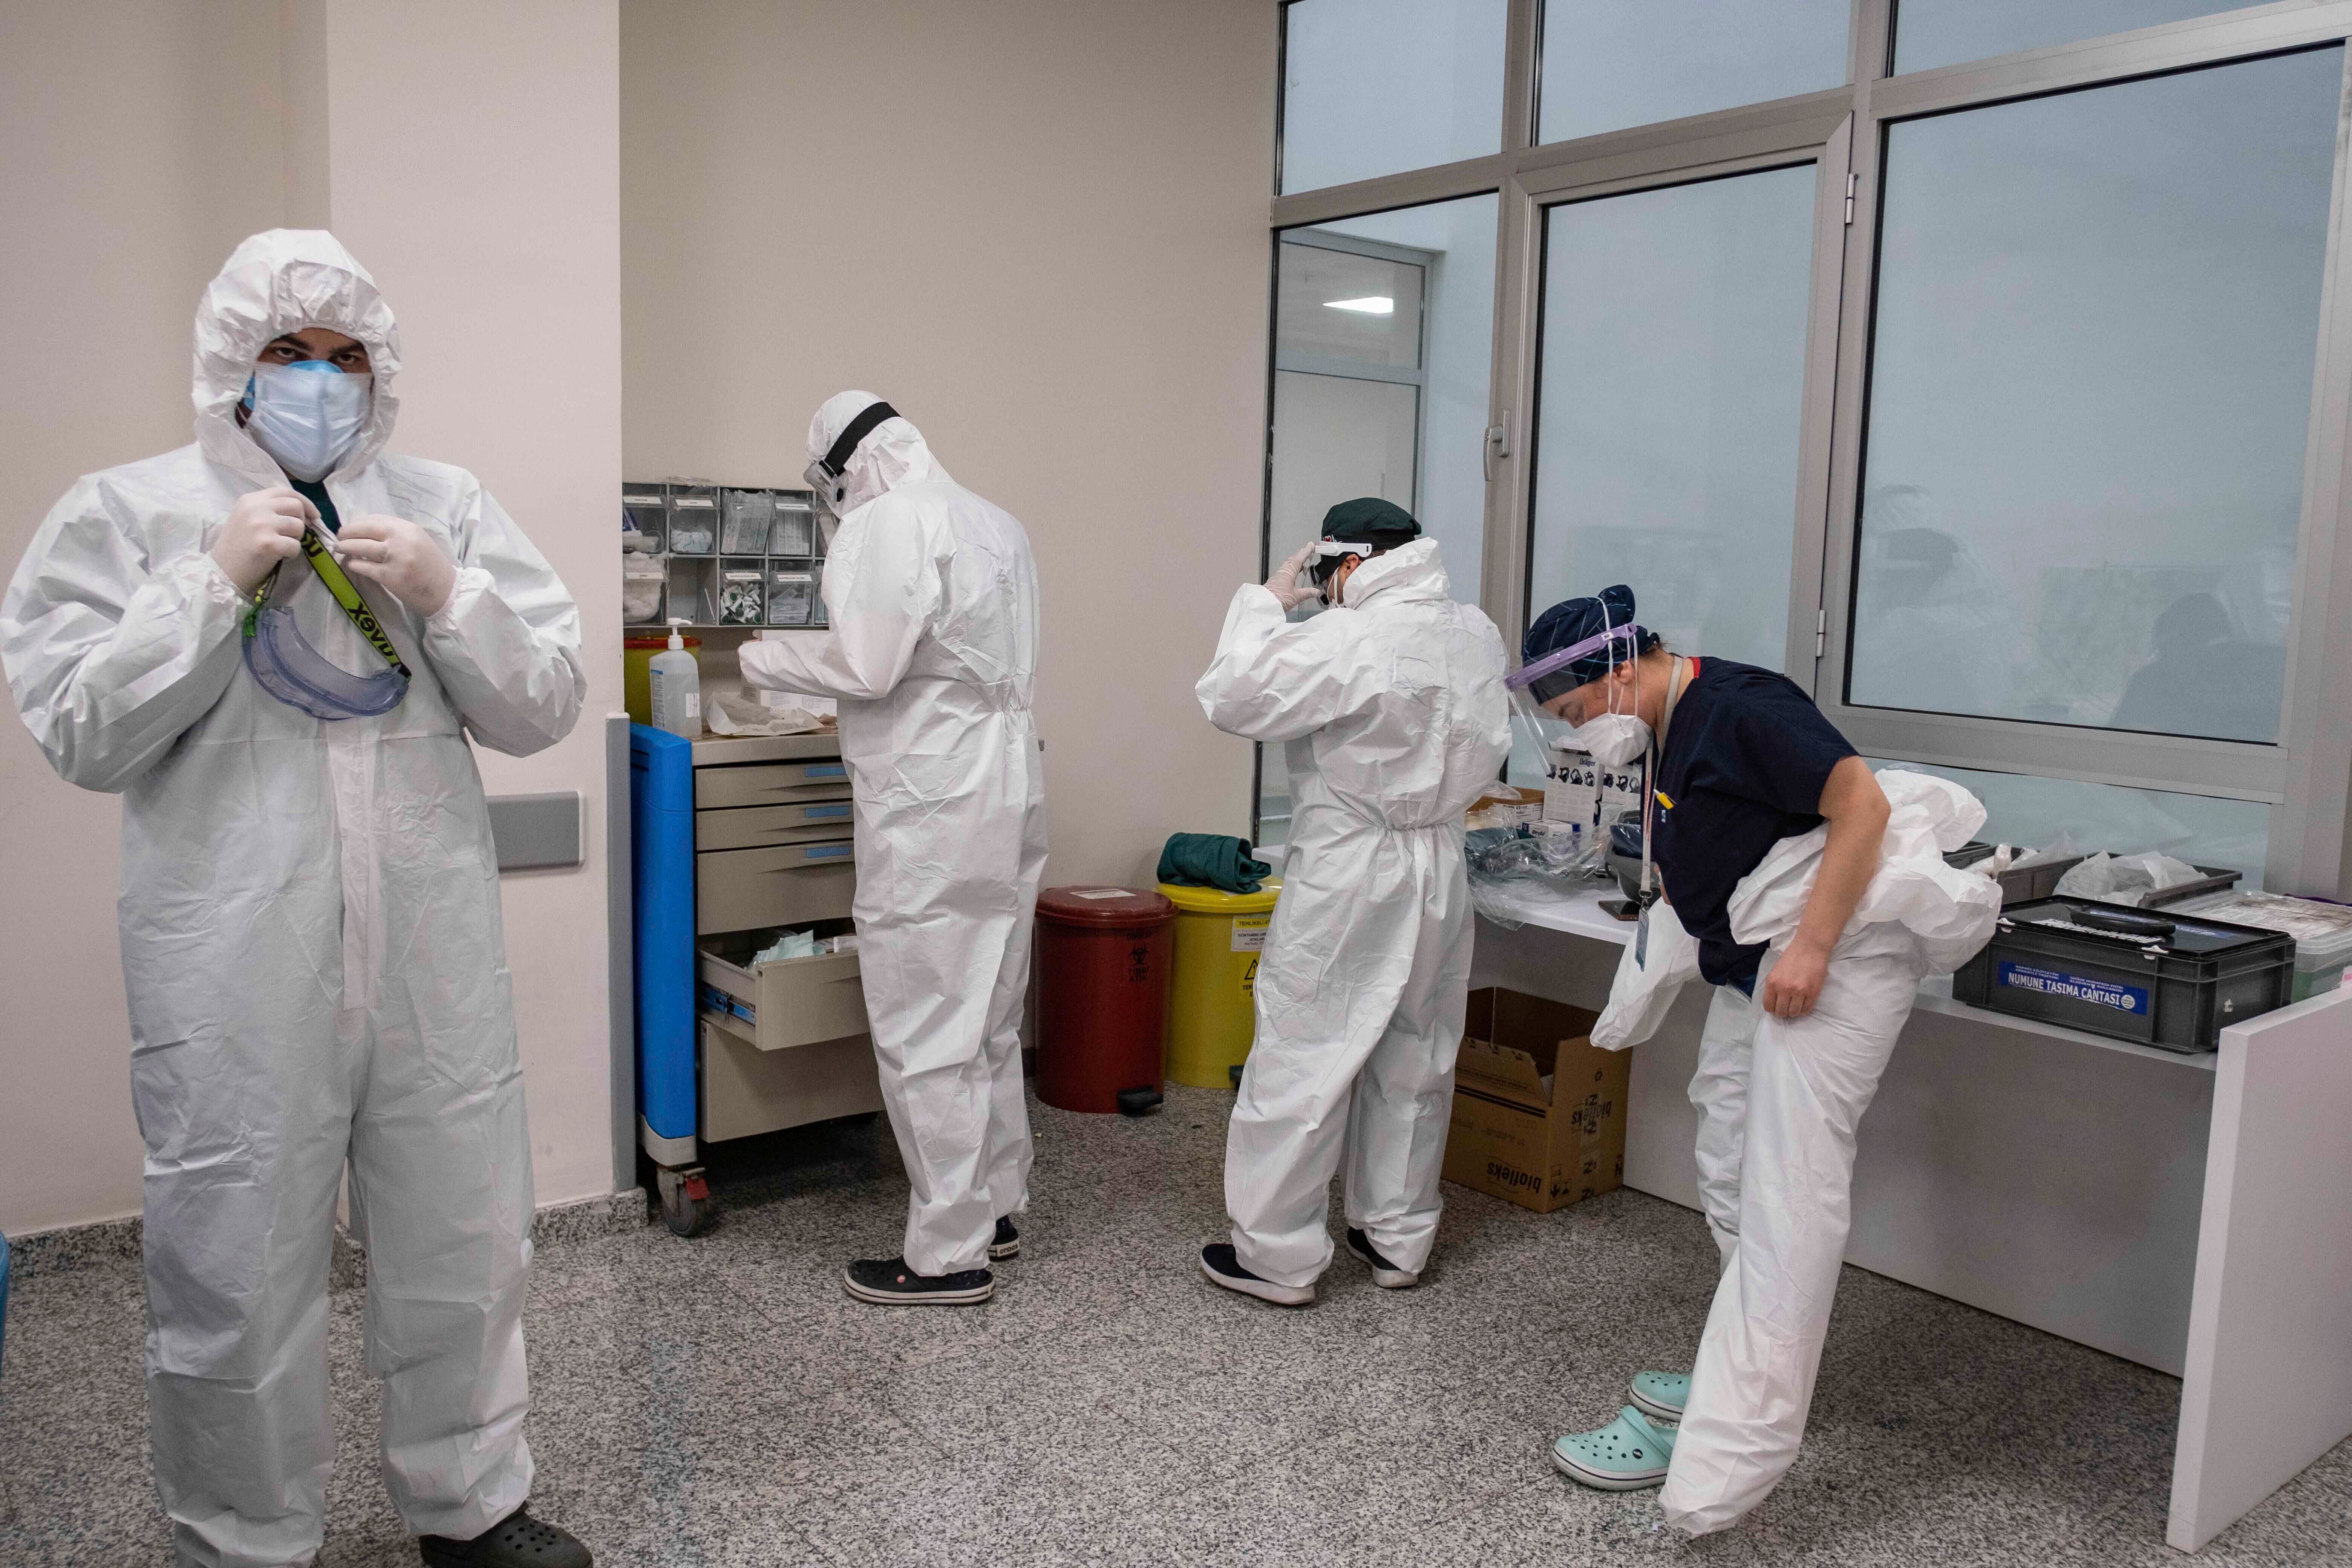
830, 852
2129, 999
827, 770
823, 813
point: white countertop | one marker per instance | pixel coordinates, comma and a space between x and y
1580, 914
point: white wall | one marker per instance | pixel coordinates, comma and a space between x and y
474, 168
1039, 229
467, 155
138, 145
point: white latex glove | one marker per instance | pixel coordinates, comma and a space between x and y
1286, 585
264, 528
401, 556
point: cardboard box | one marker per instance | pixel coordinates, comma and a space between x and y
1538, 1113
1506, 805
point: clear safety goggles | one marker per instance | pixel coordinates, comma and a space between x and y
284, 663
827, 478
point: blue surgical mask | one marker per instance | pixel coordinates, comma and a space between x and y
307, 415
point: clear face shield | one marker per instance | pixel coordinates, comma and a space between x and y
1590, 787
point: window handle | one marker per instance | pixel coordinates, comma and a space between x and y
1498, 445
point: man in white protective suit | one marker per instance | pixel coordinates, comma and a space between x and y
309, 908
932, 654
1392, 705
1814, 895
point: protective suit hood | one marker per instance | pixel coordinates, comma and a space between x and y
1409, 571
279, 282
893, 454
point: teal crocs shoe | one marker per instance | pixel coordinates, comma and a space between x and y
1660, 1395
1623, 1456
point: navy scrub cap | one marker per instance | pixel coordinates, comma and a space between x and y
1573, 621
1367, 520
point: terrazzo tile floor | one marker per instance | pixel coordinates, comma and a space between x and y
718, 1402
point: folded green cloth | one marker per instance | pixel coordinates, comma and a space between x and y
1211, 861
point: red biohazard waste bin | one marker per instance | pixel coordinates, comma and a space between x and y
1103, 960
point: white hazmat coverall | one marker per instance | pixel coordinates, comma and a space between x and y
1393, 709
1780, 1102
932, 655
310, 943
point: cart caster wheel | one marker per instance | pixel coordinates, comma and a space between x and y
686, 1203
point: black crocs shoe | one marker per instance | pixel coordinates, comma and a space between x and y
1007, 1242
889, 1282
1220, 1264
517, 1541
1385, 1275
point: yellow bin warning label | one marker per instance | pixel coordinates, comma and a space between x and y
1211, 1002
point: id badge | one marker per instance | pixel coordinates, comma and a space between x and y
1641, 939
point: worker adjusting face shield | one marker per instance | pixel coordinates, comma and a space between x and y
1361, 528
1575, 714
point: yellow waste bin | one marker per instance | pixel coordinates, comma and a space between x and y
1211, 1003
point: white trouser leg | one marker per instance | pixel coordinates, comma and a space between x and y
1007, 1163
246, 1126
1403, 1102
1808, 1084
441, 1197
1718, 1089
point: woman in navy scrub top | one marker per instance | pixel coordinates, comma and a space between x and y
1792, 1050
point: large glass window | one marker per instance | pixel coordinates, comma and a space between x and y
1672, 387
1384, 352
2090, 388
1610, 64
1379, 87
1931, 33
2040, 813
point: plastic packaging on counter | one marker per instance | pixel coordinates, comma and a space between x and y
2127, 878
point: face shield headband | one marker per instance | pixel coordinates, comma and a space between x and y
1527, 675
828, 476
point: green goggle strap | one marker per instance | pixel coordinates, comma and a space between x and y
346, 594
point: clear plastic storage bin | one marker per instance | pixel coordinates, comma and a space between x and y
693, 520
795, 534
745, 518
646, 509
742, 594
792, 598
2322, 931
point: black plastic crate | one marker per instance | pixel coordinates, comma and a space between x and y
2171, 981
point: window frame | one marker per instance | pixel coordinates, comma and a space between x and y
2305, 776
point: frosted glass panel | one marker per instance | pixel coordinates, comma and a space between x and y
2203, 830
2090, 386
1379, 87
1672, 382
1392, 403
1931, 33
1610, 64
1339, 304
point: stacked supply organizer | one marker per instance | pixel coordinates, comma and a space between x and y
734, 840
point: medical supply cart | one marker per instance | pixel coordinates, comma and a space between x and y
733, 839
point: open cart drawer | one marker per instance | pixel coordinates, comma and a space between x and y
783, 1003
